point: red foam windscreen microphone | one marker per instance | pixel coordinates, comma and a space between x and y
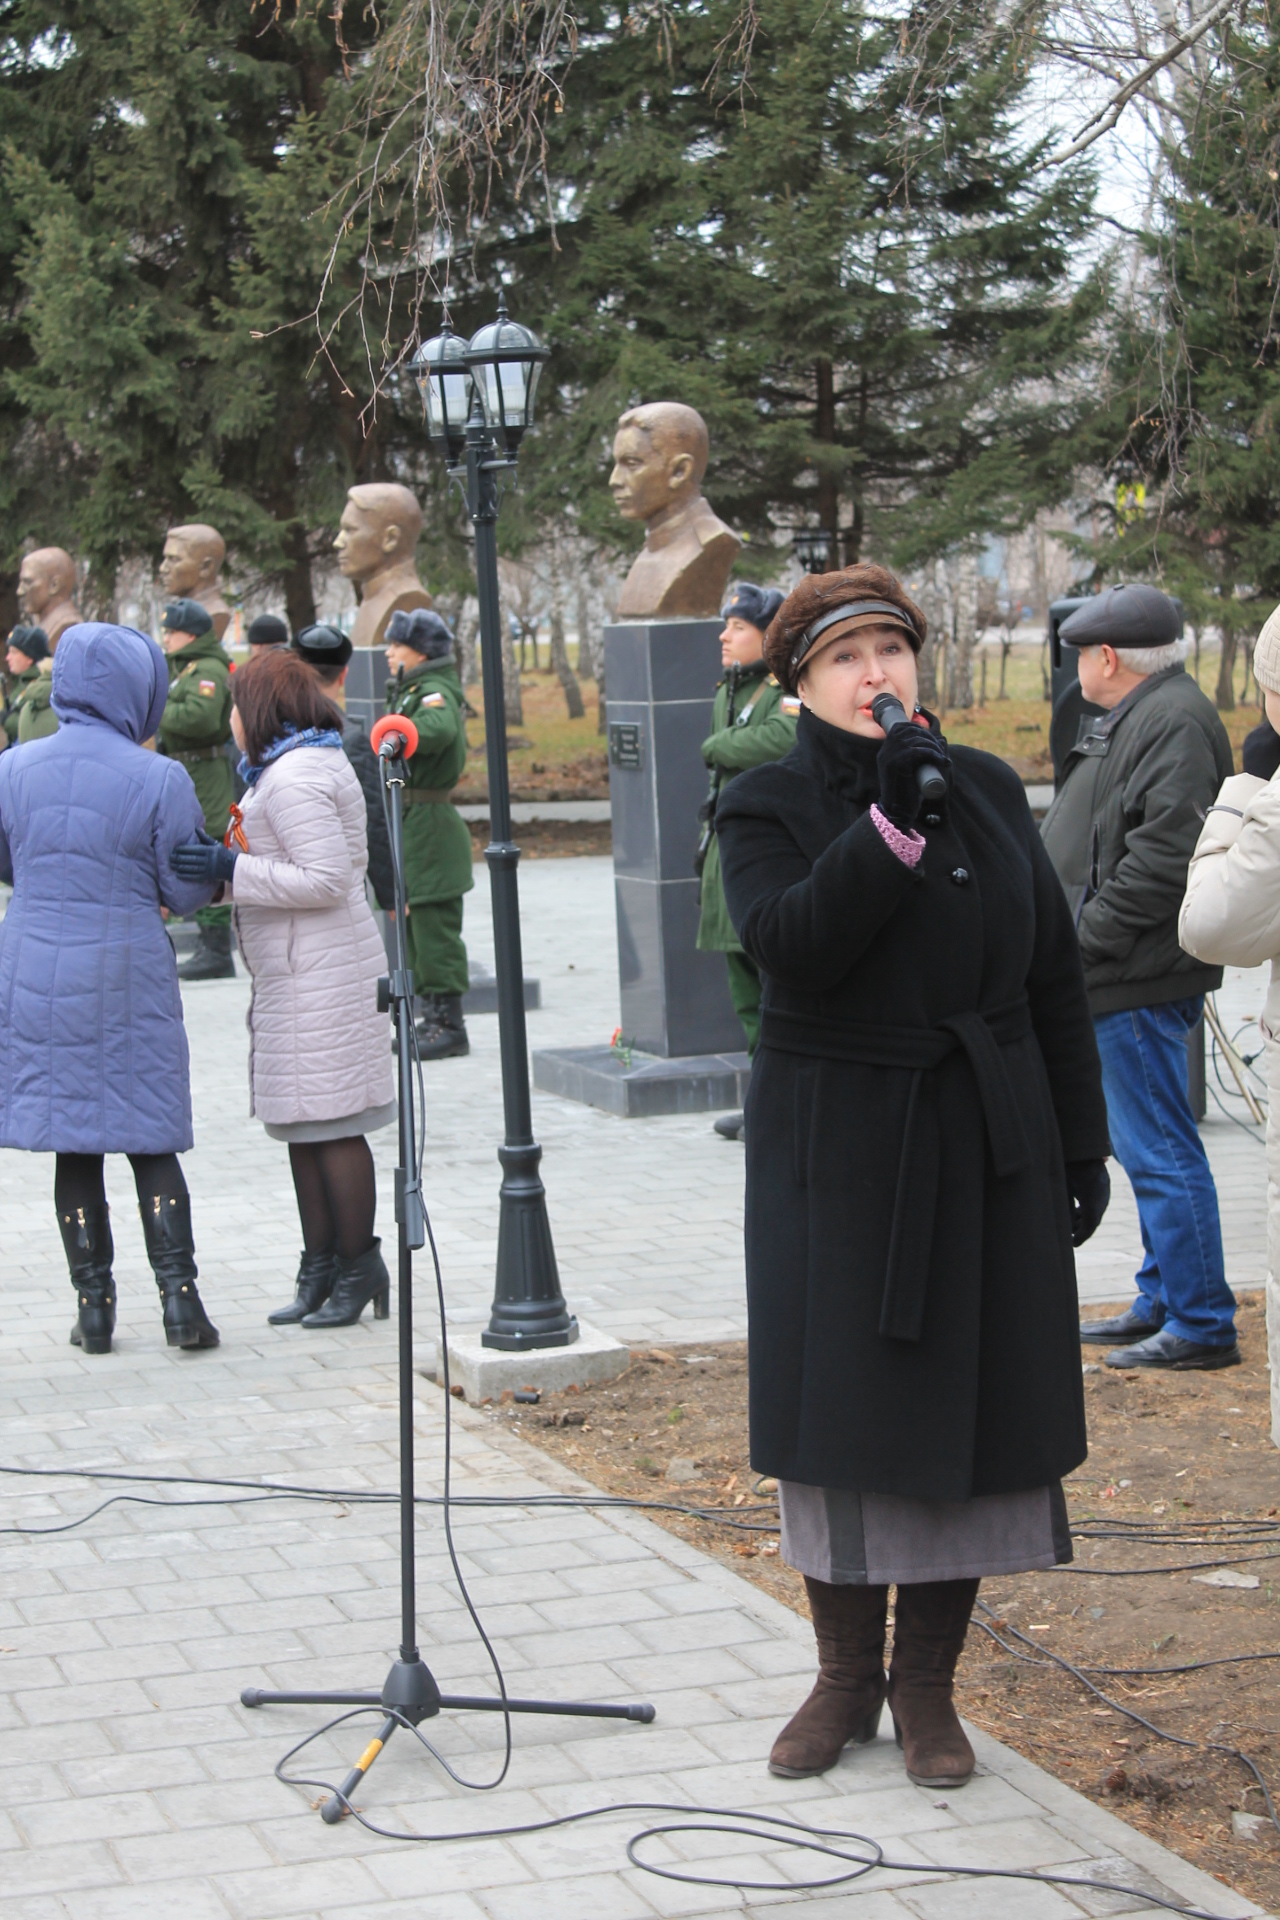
395, 724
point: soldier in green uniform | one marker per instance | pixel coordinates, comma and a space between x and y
27, 713
753, 721
194, 729
437, 845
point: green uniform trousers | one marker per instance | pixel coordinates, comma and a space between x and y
437, 957
744, 991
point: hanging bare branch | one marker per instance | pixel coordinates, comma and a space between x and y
1107, 117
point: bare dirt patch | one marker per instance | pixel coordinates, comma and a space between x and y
1180, 1467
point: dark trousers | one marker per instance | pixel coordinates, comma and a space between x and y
744, 991
437, 957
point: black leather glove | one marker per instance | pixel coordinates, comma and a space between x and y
204, 859
1089, 1185
905, 751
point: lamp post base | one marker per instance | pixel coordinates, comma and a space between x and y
528, 1307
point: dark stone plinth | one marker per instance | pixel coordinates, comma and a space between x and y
661, 677
599, 1077
482, 995
365, 690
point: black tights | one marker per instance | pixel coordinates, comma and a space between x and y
77, 1179
337, 1196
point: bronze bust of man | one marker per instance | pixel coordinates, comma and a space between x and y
659, 458
46, 589
189, 568
377, 538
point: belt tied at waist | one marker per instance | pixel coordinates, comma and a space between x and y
920, 1050
195, 753
427, 796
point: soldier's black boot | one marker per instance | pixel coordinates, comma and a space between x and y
315, 1284
86, 1236
166, 1228
355, 1284
444, 1031
211, 959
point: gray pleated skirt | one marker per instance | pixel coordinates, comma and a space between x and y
310, 1132
877, 1539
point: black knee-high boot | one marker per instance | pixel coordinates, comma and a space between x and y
86, 1236
166, 1228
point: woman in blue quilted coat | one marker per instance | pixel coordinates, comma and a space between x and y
93, 1053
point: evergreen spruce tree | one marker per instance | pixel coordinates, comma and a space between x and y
166, 234
1195, 393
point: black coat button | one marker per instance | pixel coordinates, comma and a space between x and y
961, 876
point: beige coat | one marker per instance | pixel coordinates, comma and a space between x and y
319, 1048
1231, 917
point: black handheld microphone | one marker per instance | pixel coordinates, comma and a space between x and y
888, 712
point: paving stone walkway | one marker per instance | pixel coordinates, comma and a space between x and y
135, 1784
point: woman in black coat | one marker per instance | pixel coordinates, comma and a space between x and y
926, 1135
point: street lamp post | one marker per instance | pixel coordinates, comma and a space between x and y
812, 548
478, 398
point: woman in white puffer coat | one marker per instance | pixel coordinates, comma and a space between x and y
1231, 917
319, 1059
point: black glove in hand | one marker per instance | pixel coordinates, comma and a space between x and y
905, 751
1089, 1185
204, 859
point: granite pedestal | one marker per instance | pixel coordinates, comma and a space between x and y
676, 1015
365, 688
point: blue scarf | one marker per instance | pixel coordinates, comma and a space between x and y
309, 737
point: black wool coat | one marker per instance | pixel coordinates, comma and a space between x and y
927, 1063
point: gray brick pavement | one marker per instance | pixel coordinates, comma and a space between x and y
136, 1785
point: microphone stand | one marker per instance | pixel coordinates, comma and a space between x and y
410, 1693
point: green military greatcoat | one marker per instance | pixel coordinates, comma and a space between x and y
437, 845
763, 728
20, 685
196, 725
36, 718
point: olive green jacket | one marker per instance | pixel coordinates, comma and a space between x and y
19, 687
437, 844
196, 725
763, 729
36, 718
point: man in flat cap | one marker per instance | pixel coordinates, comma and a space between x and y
1135, 790
327, 651
753, 721
194, 728
437, 843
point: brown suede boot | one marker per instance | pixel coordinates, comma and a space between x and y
930, 1623
849, 1691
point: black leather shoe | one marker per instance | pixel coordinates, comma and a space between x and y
1125, 1326
729, 1126
314, 1285
355, 1284
1165, 1349
442, 1033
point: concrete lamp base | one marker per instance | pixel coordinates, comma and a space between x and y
485, 1373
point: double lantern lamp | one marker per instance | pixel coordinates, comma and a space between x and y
497, 368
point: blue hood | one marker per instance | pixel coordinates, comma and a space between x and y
112, 674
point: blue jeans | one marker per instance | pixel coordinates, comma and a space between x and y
1181, 1281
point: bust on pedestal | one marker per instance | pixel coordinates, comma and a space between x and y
189, 567
376, 542
681, 1040
46, 586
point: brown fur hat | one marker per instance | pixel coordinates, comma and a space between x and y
820, 593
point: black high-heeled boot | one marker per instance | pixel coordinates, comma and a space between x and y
355, 1284
166, 1228
86, 1237
314, 1285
